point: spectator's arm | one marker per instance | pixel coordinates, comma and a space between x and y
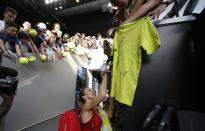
2, 47
34, 46
142, 11
55, 49
18, 50
58, 52
30, 46
42, 47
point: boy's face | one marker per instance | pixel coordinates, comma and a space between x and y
83, 36
26, 26
99, 37
57, 28
11, 31
9, 16
89, 93
65, 39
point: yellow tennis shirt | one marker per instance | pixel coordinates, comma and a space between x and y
128, 42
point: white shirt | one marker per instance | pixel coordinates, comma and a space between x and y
98, 58
2, 25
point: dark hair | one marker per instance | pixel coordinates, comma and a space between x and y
66, 35
9, 9
107, 48
23, 35
58, 38
82, 94
105, 42
27, 22
10, 24
39, 30
111, 32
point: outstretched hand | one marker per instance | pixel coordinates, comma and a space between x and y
103, 75
5, 53
157, 11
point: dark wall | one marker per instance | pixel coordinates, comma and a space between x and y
169, 74
89, 23
24, 14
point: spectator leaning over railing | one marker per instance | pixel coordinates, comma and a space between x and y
9, 16
26, 27
57, 29
9, 40
39, 41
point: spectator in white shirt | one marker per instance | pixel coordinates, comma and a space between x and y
9, 16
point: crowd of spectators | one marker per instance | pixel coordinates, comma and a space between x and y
38, 40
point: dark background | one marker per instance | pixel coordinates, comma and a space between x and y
89, 23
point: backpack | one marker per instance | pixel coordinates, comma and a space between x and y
70, 121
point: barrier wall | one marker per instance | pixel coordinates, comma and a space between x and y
45, 89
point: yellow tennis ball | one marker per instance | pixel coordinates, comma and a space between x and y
32, 59
32, 32
43, 58
23, 60
63, 54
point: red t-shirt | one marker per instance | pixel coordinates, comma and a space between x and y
94, 124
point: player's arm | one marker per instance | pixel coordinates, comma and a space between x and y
139, 12
160, 9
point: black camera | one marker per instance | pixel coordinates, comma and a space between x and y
8, 85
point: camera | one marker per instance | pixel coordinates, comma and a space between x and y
8, 85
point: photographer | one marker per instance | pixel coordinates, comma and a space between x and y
8, 86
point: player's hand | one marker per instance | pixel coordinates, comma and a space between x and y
157, 12
103, 75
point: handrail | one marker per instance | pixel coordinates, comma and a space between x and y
176, 20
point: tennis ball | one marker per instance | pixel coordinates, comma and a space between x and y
23, 60
32, 59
